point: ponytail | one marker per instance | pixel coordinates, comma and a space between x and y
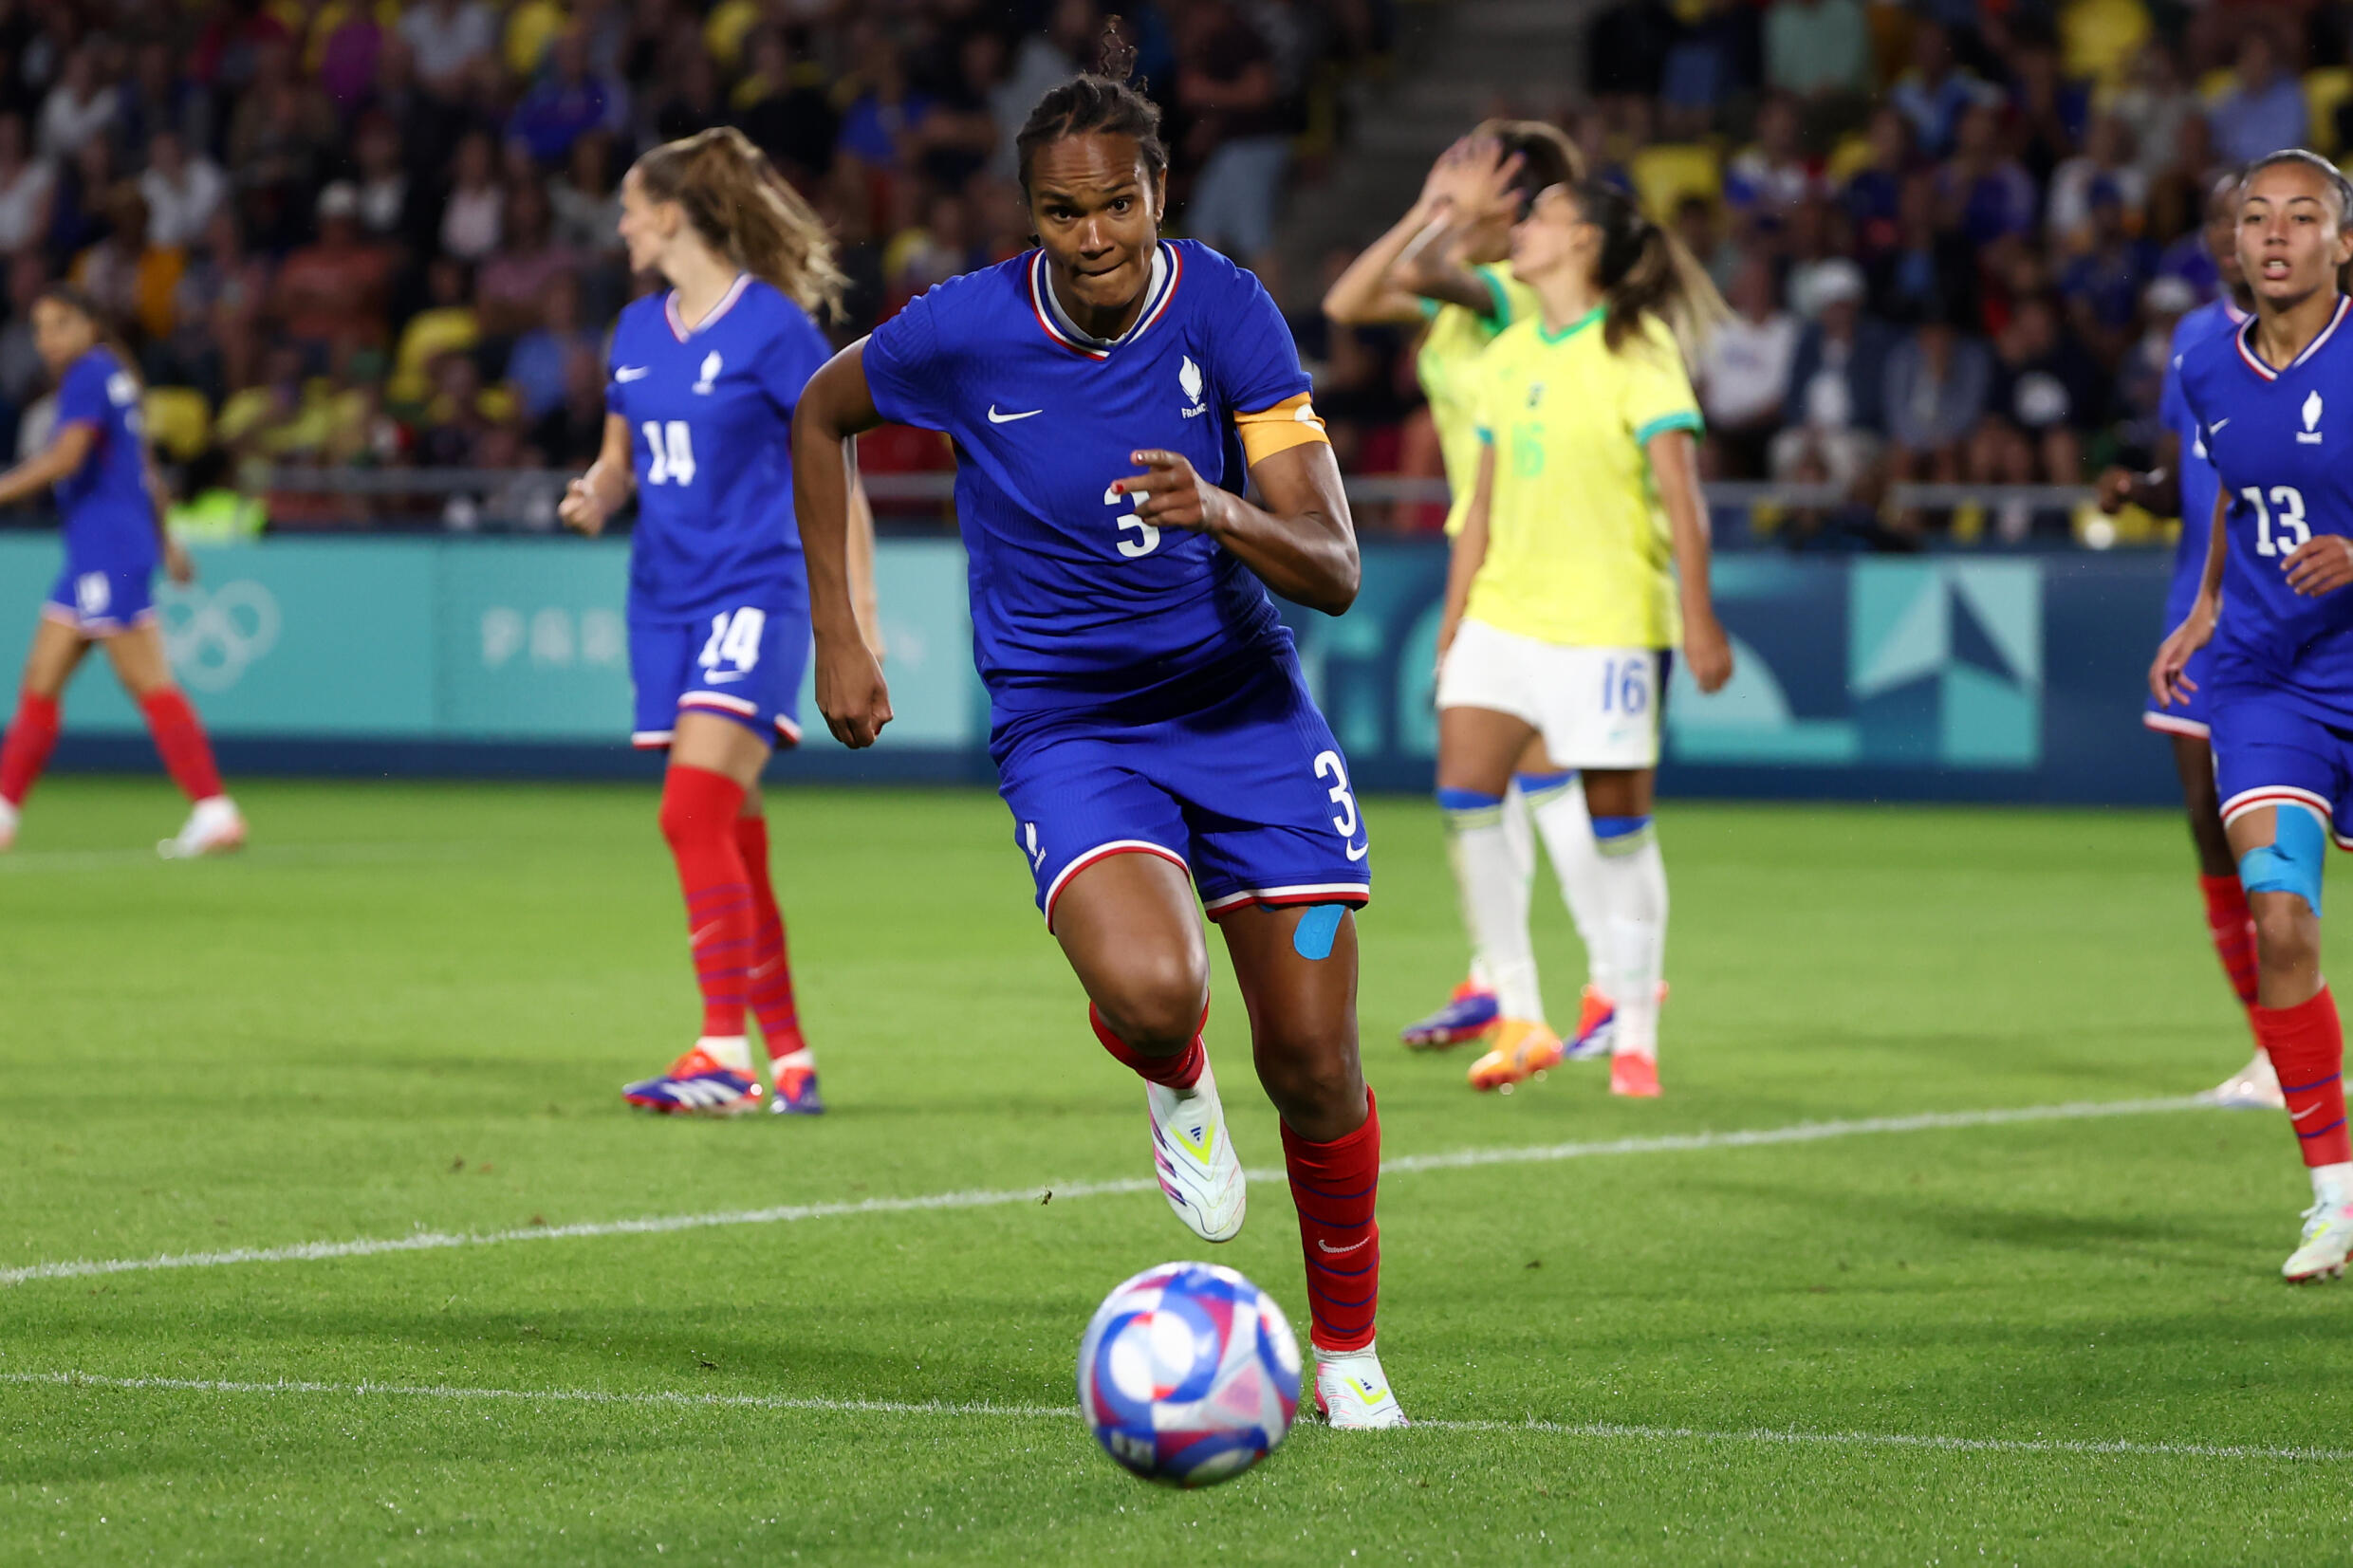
83, 305
1644, 271
748, 211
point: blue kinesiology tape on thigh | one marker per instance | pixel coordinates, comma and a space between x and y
2292, 862
1312, 938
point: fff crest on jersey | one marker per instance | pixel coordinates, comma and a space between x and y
710, 373
2311, 434
1189, 380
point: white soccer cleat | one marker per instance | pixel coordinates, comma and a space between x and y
214, 827
1351, 1390
2327, 1236
2253, 1087
1194, 1158
10, 816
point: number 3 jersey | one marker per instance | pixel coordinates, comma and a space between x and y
1076, 601
710, 415
2282, 446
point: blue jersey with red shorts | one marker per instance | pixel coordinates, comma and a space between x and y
2280, 681
111, 547
718, 596
1145, 695
2195, 474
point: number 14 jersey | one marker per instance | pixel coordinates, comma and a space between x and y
2282, 445
710, 416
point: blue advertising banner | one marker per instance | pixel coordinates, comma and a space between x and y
1925, 677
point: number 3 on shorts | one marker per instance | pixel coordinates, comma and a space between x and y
735, 640
1329, 765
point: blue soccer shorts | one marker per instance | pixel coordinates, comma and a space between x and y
2269, 750
99, 599
2195, 716
741, 662
1248, 792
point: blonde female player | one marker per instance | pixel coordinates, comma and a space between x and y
1443, 263
1585, 528
703, 383
106, 490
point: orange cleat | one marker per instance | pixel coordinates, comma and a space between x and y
1523, 1050
1634, 1076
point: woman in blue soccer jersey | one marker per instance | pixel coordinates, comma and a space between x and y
2268, 401
105, 487
1107, 393
700, 407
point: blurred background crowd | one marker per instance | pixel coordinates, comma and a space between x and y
350, 237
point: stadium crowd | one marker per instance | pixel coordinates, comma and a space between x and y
342, 234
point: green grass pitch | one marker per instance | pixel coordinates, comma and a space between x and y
407, 1009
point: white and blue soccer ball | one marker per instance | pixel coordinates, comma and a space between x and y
1188, 1375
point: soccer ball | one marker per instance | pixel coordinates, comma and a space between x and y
1188, 1375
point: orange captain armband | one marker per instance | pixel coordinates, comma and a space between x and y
1292, 422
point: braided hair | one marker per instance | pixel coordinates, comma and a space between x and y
1098, 102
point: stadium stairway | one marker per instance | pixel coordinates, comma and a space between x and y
1455, 61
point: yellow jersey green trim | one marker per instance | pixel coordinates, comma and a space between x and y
1687, 419
1572, 328
1498, 298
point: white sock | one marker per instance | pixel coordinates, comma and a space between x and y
779, 1066
728, 1050
1633, 882
1520, 834
1494, 900
1569, 840
2332, 1183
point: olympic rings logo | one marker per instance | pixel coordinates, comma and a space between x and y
214, 638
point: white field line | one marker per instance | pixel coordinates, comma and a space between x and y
1597, 1430
28, 862
428, 1240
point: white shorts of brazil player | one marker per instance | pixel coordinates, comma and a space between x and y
1595, 707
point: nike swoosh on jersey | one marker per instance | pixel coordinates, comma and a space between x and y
631, 373
996, 419
2226, 419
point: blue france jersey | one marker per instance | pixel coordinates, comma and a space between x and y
2282, 445
109, 515
1075, 601
710, 416
2194, 470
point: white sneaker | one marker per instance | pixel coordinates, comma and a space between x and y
2327, 1236
2253, 1087
1197, 1167
1353, 1392
10, 816
213, 827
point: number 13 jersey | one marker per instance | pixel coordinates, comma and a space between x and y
710, 416
1076, 601
2282, 446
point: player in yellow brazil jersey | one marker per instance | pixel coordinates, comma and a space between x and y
1443, 261
1582, 561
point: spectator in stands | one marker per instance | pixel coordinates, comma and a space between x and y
2102, 287
1696, 225
81, 106
1226, 87
565, 104
156, 99
1818, 51
587, 202
1938, 382
569, 434
541, 358
790, 119
2047, 114
1770, 177
473, 213
1744, 375
1837, 381
280, 144
2044, 386
182, 193
27, 190
1935, 94
1705, 66
125, 276
23, 374
454, 418
882, 125
276, 422
447, 324
1982, 191
333, 291
512, 287
216, 310
2153, 104
2106, 157
2183, 204
445, 38
1931, 266
2140, 381
1873, 196
347, 42
692, 102
2264, 110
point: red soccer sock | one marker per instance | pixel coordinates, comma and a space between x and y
2307, 1044
1181, 1071
769, 984
31, 737
698, 818
1333, 1186
2234, 931
179, 736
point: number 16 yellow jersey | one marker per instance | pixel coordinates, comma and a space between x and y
1579, 552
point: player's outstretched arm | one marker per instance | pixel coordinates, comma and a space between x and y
1675, 464
2167, 682
2157, 491
1301, 542
591, 500
835, 406
66, 453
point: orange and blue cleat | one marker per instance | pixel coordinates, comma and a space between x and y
698, 1084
